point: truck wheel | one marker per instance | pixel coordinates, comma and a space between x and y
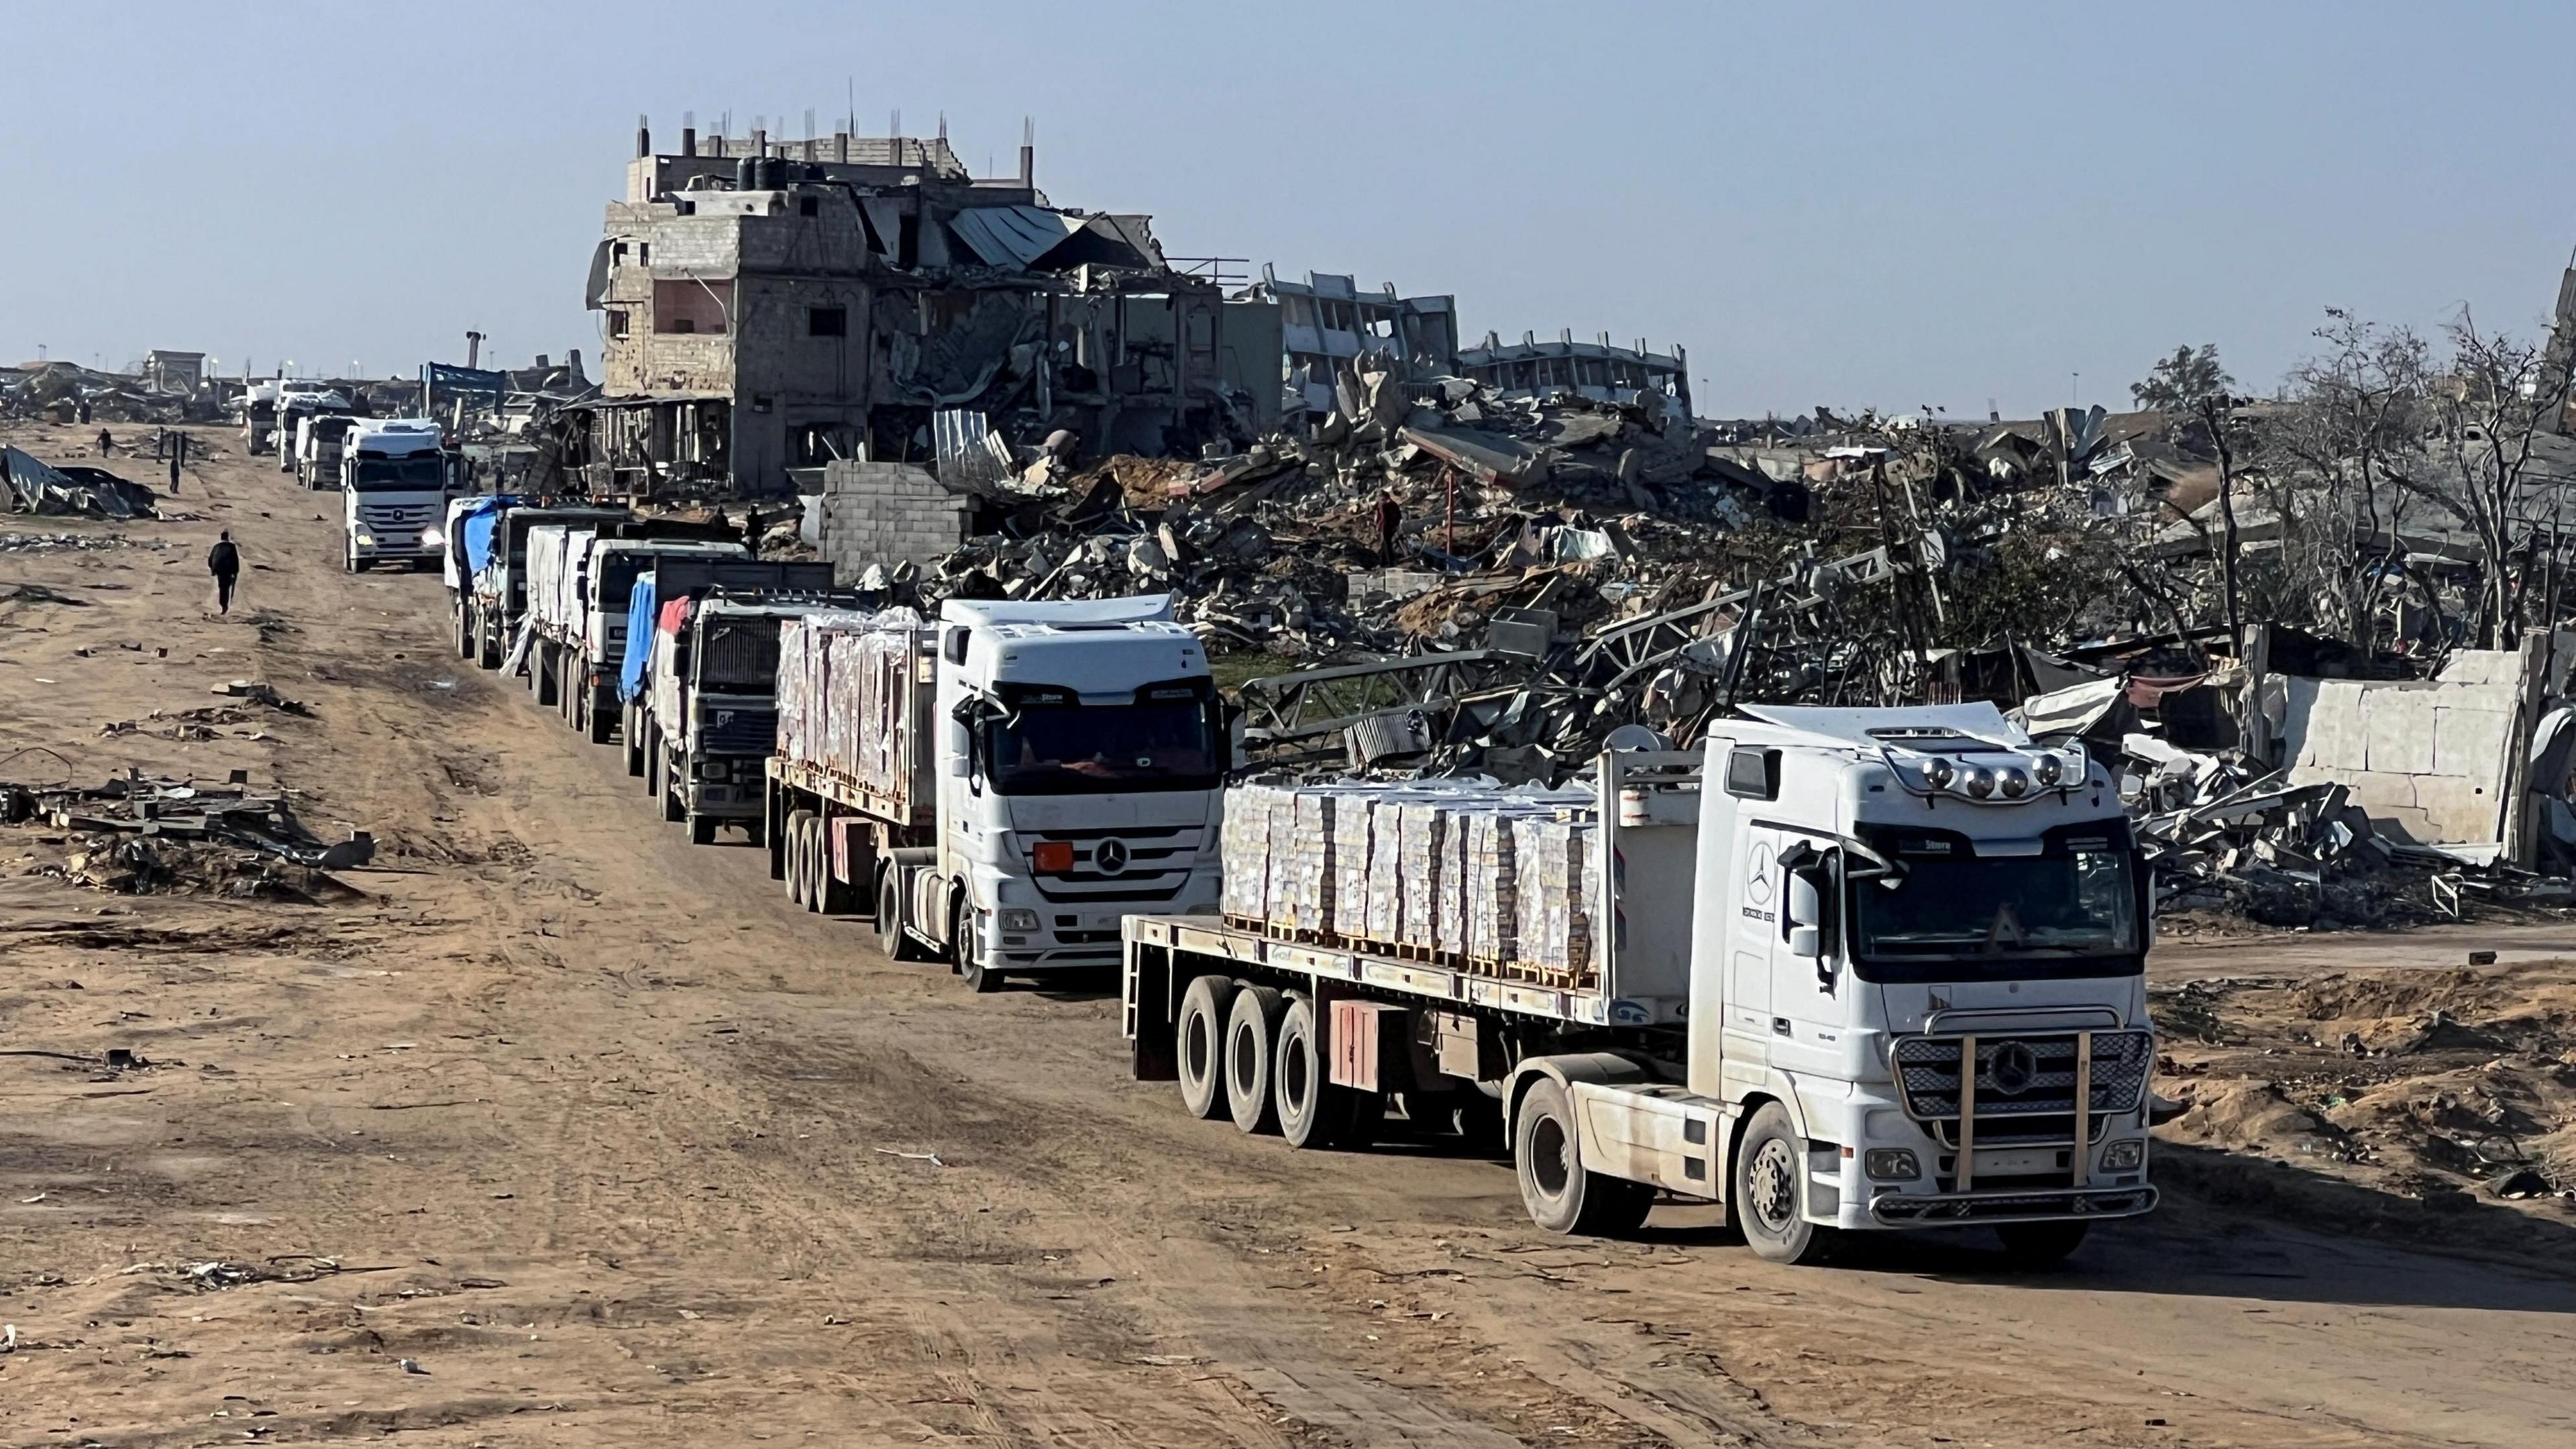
1313, 1112
675, 807
891, 938
794, 839
702, 829
1199, 1041
634, 748
602, 725
2040, 1245
464, 634
652, 771
1251, 1037
1562, 1195
980, 979
1770, 1190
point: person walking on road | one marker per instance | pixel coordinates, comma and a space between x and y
103, 442
224, 562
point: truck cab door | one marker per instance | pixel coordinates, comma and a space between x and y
1806, 1014
1754, 896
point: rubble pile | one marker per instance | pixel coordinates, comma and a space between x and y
136, 836
36, 487
64, 392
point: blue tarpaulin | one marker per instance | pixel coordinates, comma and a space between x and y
475, 524
640, 613
451, 381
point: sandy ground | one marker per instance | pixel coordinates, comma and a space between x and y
570, 1134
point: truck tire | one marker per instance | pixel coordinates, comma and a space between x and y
541, 674
675, 786
1251, 1057
602, 725
487, 646
464, 632
634, 747
1313, 1112
1768, 1197
652, 771
2040, 1245
980, 979
892, 939
702, 829
1199, 1046
794, 840
1562, 1195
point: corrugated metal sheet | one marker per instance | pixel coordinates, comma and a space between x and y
1011, 236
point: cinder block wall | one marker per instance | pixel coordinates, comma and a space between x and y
2428, 758
888, 513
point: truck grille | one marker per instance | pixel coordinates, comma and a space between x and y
2025, 1083
397, 515
739, 732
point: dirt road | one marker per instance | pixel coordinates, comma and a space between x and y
572, 1134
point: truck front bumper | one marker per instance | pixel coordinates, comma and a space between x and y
2008, 1205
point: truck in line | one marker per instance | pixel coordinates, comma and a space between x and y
580, 576
296, 402
494, 593
1852, 971
706, 710
395, 482
1002, 786
319, 440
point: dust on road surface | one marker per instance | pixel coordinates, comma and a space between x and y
569, 1133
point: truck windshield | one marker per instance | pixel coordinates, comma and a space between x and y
400, 475
2075, 903
1095, 749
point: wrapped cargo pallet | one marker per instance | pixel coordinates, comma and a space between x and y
1246, 836
885, 694
1303, 899
1404, 885
1554, 865
1354, 831
796, 702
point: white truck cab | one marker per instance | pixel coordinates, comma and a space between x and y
395, 484
1083, 755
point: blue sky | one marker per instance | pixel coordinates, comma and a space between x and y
1851, 205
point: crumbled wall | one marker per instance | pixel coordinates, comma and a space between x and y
2428, 759
888, 513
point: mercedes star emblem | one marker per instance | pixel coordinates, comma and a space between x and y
1109, 857
2014, 1068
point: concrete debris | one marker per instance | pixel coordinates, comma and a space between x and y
133, 835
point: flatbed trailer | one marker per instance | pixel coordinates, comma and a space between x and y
1777, 1016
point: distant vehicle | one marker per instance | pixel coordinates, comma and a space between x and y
395, 481
1848, 970
1002, 785
297, 401
579, 579
318, 442
496, 577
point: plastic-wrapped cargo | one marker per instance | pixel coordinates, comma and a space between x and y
848, 695
1404, 884
1354, 833
1245, 891
1554, 866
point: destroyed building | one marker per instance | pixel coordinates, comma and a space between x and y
1595, 370
778, 305
1326, 322
167, 371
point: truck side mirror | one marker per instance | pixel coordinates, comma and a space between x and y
1805, 915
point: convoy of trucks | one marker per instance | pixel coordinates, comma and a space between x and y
1834, 971
318, 443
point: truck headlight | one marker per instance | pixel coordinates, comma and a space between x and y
431, 537
2126, 1155
1014, 918
366, 540
1892, 1164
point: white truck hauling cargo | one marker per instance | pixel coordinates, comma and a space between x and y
1752, 984
579, 581
1003, 785
297, 401
395, 483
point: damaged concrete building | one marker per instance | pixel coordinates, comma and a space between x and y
1594, 370
773, 306
1326, 322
